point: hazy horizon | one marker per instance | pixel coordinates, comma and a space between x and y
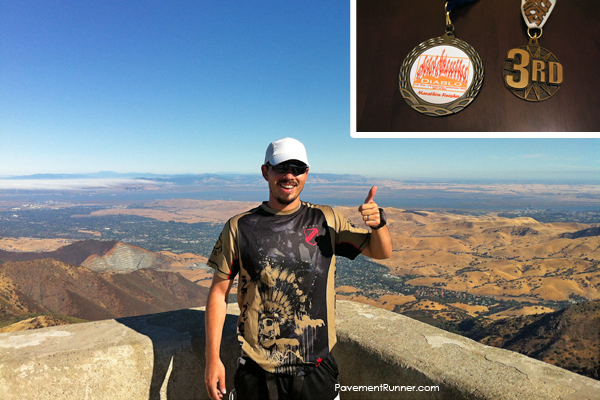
113, 175
323, 188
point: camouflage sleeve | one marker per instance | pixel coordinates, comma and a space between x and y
224, 257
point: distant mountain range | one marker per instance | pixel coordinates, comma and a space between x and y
95, 175
229, 176
322, 189
192, 179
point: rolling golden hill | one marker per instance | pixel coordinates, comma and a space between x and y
519, 258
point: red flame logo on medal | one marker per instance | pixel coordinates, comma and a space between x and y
441, 72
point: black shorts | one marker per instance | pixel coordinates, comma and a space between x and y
251, 382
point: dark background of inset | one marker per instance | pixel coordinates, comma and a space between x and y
387, 30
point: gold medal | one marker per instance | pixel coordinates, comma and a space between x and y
441, 76
532, 72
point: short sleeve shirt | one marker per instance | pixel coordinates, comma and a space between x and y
286, 292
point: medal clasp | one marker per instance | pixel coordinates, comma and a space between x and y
534, 39
449, 24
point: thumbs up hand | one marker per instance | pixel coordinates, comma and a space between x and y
380, 244
369, 210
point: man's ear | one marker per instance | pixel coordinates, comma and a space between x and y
265, 172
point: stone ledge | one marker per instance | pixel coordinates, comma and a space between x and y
409, 351
161, 356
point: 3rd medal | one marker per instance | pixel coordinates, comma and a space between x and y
531, 72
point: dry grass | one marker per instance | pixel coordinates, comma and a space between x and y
516, 312
491, 255
185, 210
32, 244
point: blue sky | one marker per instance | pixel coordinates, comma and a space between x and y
203, 86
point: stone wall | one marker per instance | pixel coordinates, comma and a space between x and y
161, 356
381, 347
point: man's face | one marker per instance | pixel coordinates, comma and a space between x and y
285, 188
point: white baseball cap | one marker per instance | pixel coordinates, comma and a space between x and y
286, 149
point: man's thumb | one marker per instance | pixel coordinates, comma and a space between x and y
371, 194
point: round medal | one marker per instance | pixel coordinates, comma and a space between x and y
441, 76
532, 73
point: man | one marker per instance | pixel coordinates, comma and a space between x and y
284, 252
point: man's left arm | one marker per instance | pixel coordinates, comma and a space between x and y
380, 245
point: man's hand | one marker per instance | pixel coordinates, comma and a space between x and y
380, 246
216, 310
214, 378
370, 210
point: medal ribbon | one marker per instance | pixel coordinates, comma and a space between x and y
536, 12
452, 4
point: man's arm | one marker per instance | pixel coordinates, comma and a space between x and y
216, 310
380, 246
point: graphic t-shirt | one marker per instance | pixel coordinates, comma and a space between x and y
286, 267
